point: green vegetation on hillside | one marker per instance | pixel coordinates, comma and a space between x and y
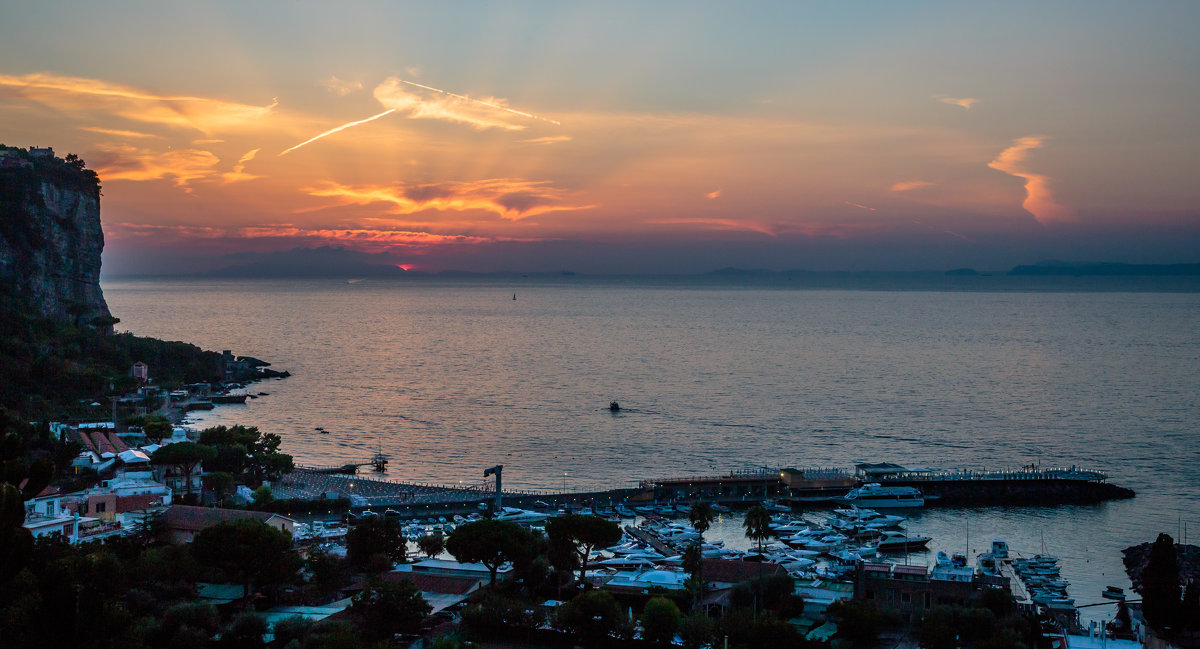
54, 369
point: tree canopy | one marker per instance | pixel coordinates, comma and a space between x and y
660, 620
245, 450
584, 533
491, 543
375, 538
250, 551
389, 607
183, 456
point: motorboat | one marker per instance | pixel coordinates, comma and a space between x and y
892, 541
515, 515
874, 494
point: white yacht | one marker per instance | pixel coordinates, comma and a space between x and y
514, 515
874, 494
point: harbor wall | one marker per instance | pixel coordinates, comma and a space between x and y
970, 493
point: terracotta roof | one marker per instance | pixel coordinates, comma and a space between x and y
427, 583
87, 442
116, 441
189, 517
731, 571
103, 444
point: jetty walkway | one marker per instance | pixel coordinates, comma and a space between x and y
308, 484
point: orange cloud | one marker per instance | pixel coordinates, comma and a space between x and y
358, 238
713, 194
117, 132
341, 88
125, 230
549, 139
860, 206
509, 198
238, 174
964, 102
75, 94
721, 224
130, 163
908, 185
390, 237
1039, 200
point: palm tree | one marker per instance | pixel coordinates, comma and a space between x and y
701, 517
757, 525
693, 563
758, 528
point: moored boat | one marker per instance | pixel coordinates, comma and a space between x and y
874, 494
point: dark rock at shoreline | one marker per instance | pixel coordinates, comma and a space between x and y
1136, 557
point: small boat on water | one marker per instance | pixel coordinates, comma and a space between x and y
1114, 592
614, 406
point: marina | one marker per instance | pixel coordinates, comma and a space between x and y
813, 538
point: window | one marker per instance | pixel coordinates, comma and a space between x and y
50, 509
100, 507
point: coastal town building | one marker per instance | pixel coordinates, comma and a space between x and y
441, 591
452, 568
183, 522
140, 371
132, 490
914, 588
642, 582
45, 515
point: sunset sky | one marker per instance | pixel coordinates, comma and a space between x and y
622, 137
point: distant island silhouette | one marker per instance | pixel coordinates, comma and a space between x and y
329, 262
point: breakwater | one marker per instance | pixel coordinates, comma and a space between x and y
959, 493
793, 487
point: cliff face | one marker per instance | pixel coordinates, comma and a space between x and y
50, 236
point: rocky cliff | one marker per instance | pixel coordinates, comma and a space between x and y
50, 236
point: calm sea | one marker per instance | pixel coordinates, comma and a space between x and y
450, 377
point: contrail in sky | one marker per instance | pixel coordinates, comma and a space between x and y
340, 128
485, 103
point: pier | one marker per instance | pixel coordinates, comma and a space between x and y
651, 540
798, 488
